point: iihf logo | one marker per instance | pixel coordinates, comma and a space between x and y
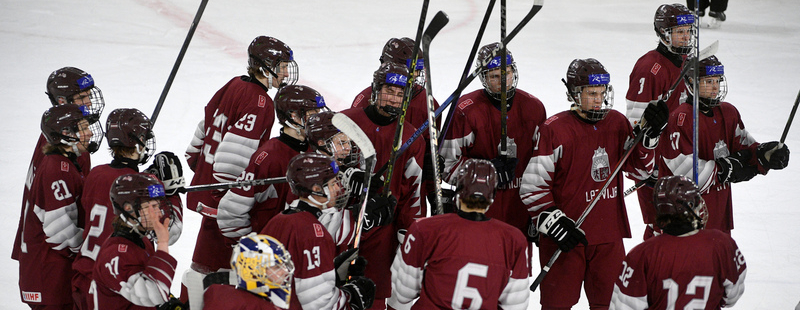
155, 190
715, 70
601, 168
396, 79
685, 19
599, 79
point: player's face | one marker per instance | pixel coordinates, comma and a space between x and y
83, 98
592, 97
282, 71
335, 189
85, 134
340, 146
681, 35
277, 273
391, 95
709, 86
150, 213
494, 81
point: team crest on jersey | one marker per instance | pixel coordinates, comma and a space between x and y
261, 157
721, 149
64, 166
464, 104
600, 165
655, 69
318, 230
32, 296
122, 248
681, 118
262, 101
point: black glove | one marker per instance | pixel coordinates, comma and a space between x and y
505, 168
448, 201
167, 167
734, 168
346, 268
427, 166
361, 291
353, 180
656, 116
172, 304
379, 211
773, 155
555, 224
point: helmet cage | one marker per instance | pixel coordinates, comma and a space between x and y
263, 267
709, 67
269, 57
61, 126
344, 150
309, 170
298, 99
667, 18
593, 115
388, 74
133, 190
493, 64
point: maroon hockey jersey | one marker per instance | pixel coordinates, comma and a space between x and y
222, 297
313, 250
49, 234
85, 163
705, 270
236, 119
462, 261
721, 134
651, 77
572, 159
417, 112
475, 133
132, 274
379, 244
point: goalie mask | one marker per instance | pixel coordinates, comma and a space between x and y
589, 89
69, 125
489, 62
298, 99
314, 174
399, 51
674, 24
272, 59
263, 267
710, 81
136, 192
75, 86
477, 181
680, 208
388, 86
329, 140
130, 128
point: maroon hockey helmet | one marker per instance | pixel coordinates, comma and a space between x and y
63, 84
477, 178
266, 55
490, 58
400, 51
297, 98
320, 130
135, 189
589, 72
392, 74
131, 128
677, 197
61, 126
710, 66
669, 16
309, 169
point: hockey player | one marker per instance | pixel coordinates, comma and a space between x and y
131, 140
379, 123
727, 153
248, 209
67, 85
314, 179
572, 159
461, 275
399, 51
653, 75
131, 273
717, 11
236, 119
687, 267
49, 232
475, 133
263, 270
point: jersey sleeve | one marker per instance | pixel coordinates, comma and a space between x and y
242, 138
676, 154
642, 161
734, 271
409, 203
407, 267
58, 212
194, 149
643, 88
630, 288
516, 294
233, 215
537, 180
176, 226
457, 141
146, 286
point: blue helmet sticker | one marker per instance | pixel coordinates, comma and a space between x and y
599, 79
495, 62
420, 64
320, 101
155, 190
85, 82
396, 79
685, 19
715, 70
335, 167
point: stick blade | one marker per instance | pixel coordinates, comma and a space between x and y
437, 23
710, 50
351, 129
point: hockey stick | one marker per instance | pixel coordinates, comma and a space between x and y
537, 5
634, 188
503, 84
791, 118
475, 45
178, 61
696, 98
229, 185
442, 19
356, 135
398, 133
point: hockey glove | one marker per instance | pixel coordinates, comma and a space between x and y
555, 224
773, 155
505, 168
448, 200
655, 117
734, 168
427, 167
347, 268
353, 180
361, 291
172, 304
379, 211
167, 167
